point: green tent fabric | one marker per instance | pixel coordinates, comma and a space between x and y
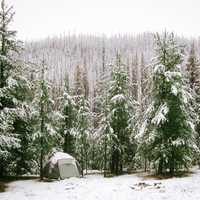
61, 165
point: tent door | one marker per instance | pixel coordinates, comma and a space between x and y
67, 170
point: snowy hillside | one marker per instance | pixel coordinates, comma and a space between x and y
62, 54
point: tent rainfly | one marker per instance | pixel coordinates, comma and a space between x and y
61, 165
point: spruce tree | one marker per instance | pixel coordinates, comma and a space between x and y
68, 120
106, 134
14, 97
83, 122
103, 130
192, 74
83, 131
168, 130
24, 128
197, 109
120, 113
45, 131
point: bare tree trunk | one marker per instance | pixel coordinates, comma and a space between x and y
160, 166
145, 164
41, 159
86, 161
1, 169
82, 161
42, 131
105, 157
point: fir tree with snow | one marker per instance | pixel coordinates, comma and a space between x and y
83, 124
68, 120
120, 114
197, 109
45, 129
168, 130
14, 98
105, 134
102, 128
192, 72
83, 117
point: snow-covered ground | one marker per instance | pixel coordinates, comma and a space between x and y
95, 187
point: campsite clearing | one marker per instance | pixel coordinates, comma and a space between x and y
95, 187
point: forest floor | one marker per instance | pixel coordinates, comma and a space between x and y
95, 187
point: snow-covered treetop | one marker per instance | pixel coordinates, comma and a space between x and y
169, 88
119, 98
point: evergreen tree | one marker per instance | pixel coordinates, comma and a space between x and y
100, 89
120, 111
45, 134
14, 92
82, 119
197, 109
83, 131
115, 118
24, 128
145, 91
192, 72
167, 132
68, 120
102, 127
106, 134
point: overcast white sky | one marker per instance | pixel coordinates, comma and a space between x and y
36, 19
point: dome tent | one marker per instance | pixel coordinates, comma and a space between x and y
61, 165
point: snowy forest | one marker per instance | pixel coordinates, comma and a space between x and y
118, 104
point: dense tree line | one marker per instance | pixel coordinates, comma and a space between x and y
134, 114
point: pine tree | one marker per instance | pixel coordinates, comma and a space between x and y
101, 88
24, 128
167, 132
192, 73
102, 127
83, 131
197, 109
45, 134
82, 119
120, 111
145, 91
115, 117
106, 134
14, 92
68, 120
